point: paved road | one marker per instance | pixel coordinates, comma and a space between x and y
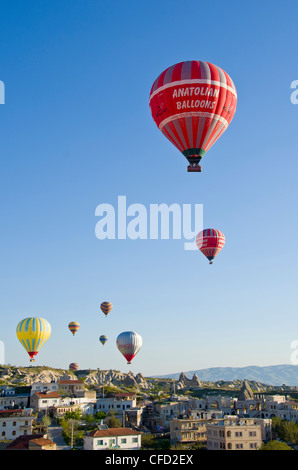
55, 434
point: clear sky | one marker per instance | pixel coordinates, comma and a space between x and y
76, 131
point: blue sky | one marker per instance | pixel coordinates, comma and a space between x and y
76, 131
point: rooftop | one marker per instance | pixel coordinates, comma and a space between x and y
70, 382
22, 442
47, 395
112, 432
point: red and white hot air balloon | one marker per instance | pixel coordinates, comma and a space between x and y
210, 242
129, 343
193, 103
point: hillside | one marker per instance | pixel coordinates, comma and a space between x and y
224, 378
277, 375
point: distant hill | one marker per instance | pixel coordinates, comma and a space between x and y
284, 374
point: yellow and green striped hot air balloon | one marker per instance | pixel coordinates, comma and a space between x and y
32, 333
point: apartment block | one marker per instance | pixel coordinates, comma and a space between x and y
234, 434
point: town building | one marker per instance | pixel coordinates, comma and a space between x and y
234, 433
113, 438
15, 422
185, 431
43, 401
70, 386
117, 403
44, 387
31, 442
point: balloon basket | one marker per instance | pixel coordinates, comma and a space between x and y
194, 168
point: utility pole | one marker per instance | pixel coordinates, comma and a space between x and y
71, 441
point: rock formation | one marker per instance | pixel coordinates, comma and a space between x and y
246, 392
184, 382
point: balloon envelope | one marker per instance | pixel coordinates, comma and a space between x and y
193, 103
73, 366
106, 307
129, 343
103, 339
73, 327
210, 242
32, 333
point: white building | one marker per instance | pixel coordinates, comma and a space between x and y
117, 403
14, 423
43, 401
113, 438
6, 402
85, 403
43, 387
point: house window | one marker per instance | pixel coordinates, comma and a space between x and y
4, 424
100, 442
134, 439
14, 423
3, 433
123, 440
13, 433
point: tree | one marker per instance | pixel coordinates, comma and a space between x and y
100, 415
46, 420
111, 421
276, 445
285, 430
77, 414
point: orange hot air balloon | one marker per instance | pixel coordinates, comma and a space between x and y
73, 366
193, 103
73, 327
106, 307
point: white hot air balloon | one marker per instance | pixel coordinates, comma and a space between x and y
129, 343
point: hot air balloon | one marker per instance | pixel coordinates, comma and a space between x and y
129, 343
103, 339
33, 333
210, 242
106, 307
73, 326
193, 103
74, 366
